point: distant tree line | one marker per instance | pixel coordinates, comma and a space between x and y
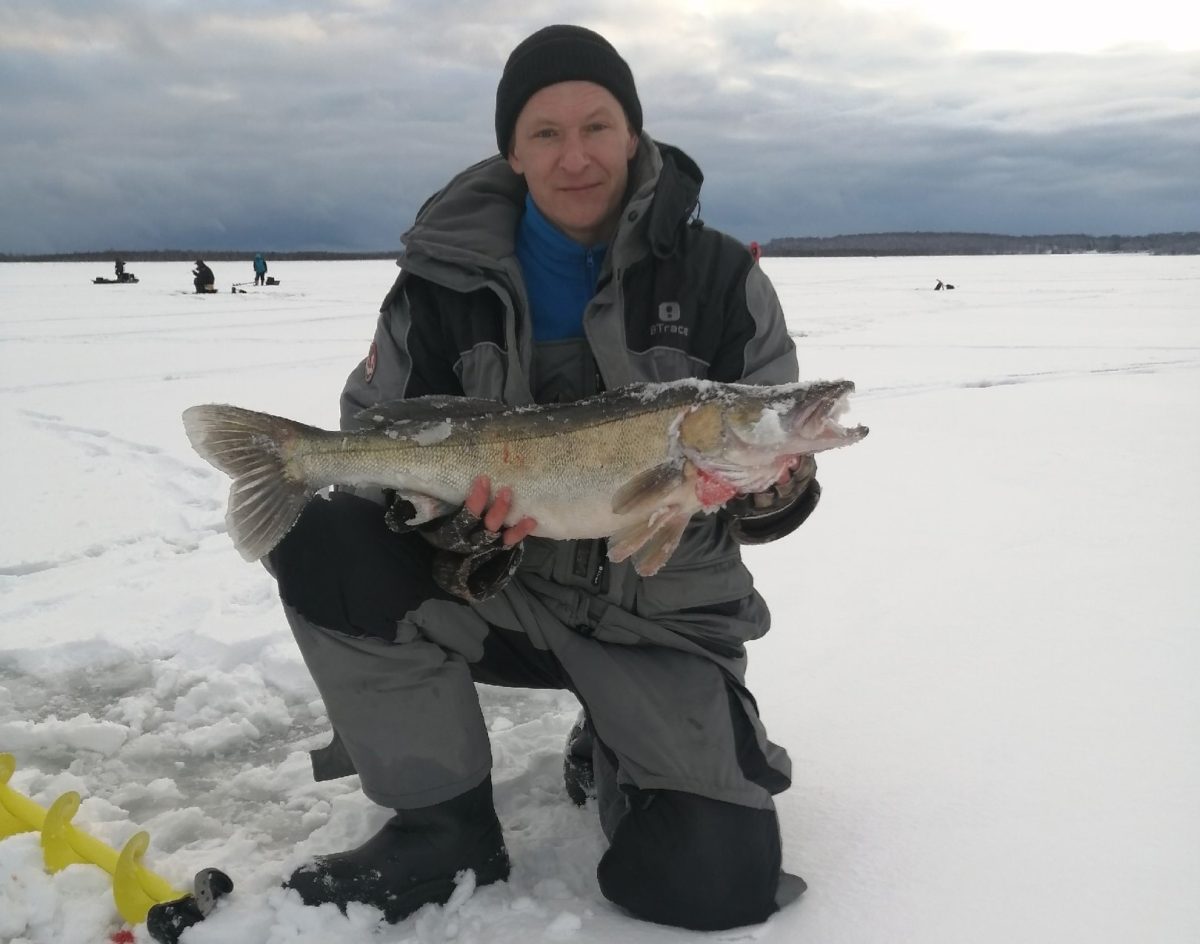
191, 255
978, 244
862, 244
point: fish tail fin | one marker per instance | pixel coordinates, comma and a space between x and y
254, 449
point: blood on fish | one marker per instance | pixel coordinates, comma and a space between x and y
712, 490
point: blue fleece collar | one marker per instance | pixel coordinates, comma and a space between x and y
560, 275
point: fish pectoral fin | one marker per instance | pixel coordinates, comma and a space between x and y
650, 541
628, 539
649, 488
651, 538
424, 410
651, 556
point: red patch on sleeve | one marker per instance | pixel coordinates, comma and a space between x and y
372, 360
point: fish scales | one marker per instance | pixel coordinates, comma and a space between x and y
570, 467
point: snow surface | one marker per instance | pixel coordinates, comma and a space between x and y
984, 658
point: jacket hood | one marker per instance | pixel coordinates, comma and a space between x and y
676, 197
471, 221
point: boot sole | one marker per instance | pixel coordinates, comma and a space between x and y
435, 892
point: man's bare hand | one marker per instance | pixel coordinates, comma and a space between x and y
493, 514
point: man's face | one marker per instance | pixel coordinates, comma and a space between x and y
573, 144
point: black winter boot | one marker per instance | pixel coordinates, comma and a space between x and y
413, 859
579, 773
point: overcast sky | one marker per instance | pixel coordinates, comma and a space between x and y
273, 125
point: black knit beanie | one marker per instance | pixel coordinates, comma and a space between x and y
562, 54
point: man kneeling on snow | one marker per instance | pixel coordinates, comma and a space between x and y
566, 264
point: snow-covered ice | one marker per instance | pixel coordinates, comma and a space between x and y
983, 663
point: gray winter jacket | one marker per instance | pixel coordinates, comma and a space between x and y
674, 300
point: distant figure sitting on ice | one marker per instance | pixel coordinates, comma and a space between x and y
204, 280
942, 285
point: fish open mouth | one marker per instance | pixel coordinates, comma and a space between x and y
820, 419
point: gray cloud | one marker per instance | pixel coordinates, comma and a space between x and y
325, 125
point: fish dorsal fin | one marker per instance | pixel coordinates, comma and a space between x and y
648, 489
424, 410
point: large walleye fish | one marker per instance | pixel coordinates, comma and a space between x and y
632, 464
